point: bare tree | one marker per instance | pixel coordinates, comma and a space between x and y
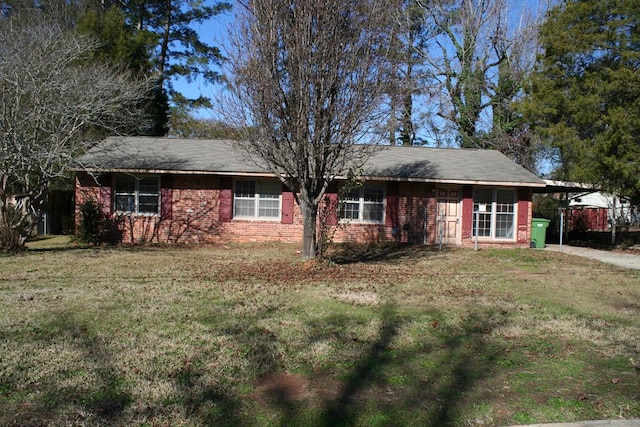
307, 81
406, 72
477, 57
54, 104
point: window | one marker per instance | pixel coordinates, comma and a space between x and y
137, 194
496, 213
256, 199
365, 204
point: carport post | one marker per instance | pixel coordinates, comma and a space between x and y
476, 215
441, 229
561, 226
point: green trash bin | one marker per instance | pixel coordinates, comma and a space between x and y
539, 232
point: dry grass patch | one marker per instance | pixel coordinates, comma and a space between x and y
249, 335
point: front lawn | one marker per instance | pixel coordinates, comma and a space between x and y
250, 335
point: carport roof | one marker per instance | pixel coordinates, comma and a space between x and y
224, 157
553, 186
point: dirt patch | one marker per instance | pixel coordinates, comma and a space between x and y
281, 387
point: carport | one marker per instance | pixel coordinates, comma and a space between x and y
564, 189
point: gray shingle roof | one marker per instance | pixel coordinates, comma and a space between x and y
169, 155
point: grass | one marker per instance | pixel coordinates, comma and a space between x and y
251, 335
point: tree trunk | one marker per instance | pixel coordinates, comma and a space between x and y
309, 217
407, 133
15, 226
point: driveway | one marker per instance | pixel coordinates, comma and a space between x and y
625, 260
602, 423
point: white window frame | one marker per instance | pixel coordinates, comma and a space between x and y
256, 199
136, 194
490, 210
361, 203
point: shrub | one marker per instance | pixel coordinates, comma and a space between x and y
91, 223
14, 228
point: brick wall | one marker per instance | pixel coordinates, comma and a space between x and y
195, 209
193, 217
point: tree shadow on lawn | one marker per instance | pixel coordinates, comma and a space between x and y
103, 397
457, 360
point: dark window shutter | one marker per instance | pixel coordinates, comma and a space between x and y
393, 204
166, 197
287, 206
106, 191
524, 196
467, 211
226, 199
334, 207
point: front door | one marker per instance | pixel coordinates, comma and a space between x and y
449, 213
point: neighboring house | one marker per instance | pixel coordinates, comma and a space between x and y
193, 191
595, 211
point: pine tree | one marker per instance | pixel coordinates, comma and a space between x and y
585, 93
178, 51
120, 46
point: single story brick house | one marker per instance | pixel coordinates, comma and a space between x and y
199, 191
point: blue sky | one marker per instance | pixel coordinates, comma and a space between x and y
215, 31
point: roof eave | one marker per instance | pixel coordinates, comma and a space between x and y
272, 175
455, 181
173, 172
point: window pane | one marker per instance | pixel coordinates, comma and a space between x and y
244, 203
125, 202
505, 208
373, 203
125, 184
354, 195
364, 204
269, 189
373, 212
244, 207
148, 185
351, 210
484, 225
504, 226
140, 195
373, 194
269, 199
148, 204
245, 189
505, 196
125, 193
269, 208
505, 201
482, 200
149, 195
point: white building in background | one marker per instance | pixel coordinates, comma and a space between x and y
591, 209
618, 209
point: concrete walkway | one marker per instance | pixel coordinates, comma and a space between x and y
625, 260
601, 423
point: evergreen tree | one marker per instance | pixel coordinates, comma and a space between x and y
585, 93
120, 46
178, 50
